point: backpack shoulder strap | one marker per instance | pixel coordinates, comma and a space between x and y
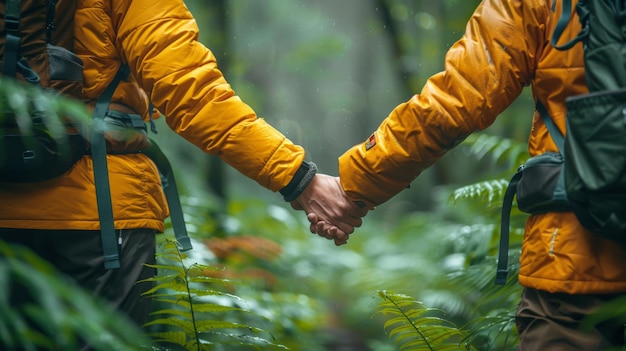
101, 173
559, 140
171, 194
12, 45
555, 133
566, 16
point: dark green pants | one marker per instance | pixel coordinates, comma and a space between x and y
551, 322
79, 255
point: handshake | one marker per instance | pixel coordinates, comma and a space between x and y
331, 213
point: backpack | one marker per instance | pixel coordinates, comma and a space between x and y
588, 174
36, 48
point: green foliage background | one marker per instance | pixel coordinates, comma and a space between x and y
326, 73
418, 275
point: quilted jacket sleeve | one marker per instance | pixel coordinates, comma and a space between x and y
159, 40
484, 72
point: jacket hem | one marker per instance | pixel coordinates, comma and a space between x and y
573, 286
155, 224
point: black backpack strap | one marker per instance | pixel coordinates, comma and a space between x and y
13, 62
555, 133
566, 16
153, 126
503, 250
101, 173
12, 44
50, 24
171, 194
559, 140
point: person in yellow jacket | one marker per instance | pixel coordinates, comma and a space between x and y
158, 40
566, 271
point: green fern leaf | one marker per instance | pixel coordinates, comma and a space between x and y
211, 280
193, 307
208, 325
174, 337
415, 326
502, 150
255, 342
177, 324
489, 192
210, 292
214, 308
175, 285
173, 313
178, 270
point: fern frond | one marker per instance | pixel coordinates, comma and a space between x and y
174, 324
175, 283
500, 329
175, 269
193, 307
488, 192
504, 151
255, 342
417, 327
205, 325
60, 314
173, 337
26, 100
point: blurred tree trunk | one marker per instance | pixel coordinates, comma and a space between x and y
406, 74
216, 180
412, 40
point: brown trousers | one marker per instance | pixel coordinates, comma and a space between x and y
79, 255
551, 322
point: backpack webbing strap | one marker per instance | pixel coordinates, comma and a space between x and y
171, 194
555, 133
559, 140
12, 44
507, 203
50, 25
101, 173
503, 251
566, 15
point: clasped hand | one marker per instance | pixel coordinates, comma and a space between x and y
331, 213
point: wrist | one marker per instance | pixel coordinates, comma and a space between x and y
304, 175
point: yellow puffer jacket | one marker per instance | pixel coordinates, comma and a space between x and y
159, 41
506, 46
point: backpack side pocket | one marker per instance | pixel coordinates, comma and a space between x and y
541, 187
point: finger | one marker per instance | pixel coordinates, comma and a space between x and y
353, 222
339, 242
348, 220
340, 237
348, 228
325, 234
320, 228
312, 217
332, 232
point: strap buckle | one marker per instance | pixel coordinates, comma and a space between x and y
12, 24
